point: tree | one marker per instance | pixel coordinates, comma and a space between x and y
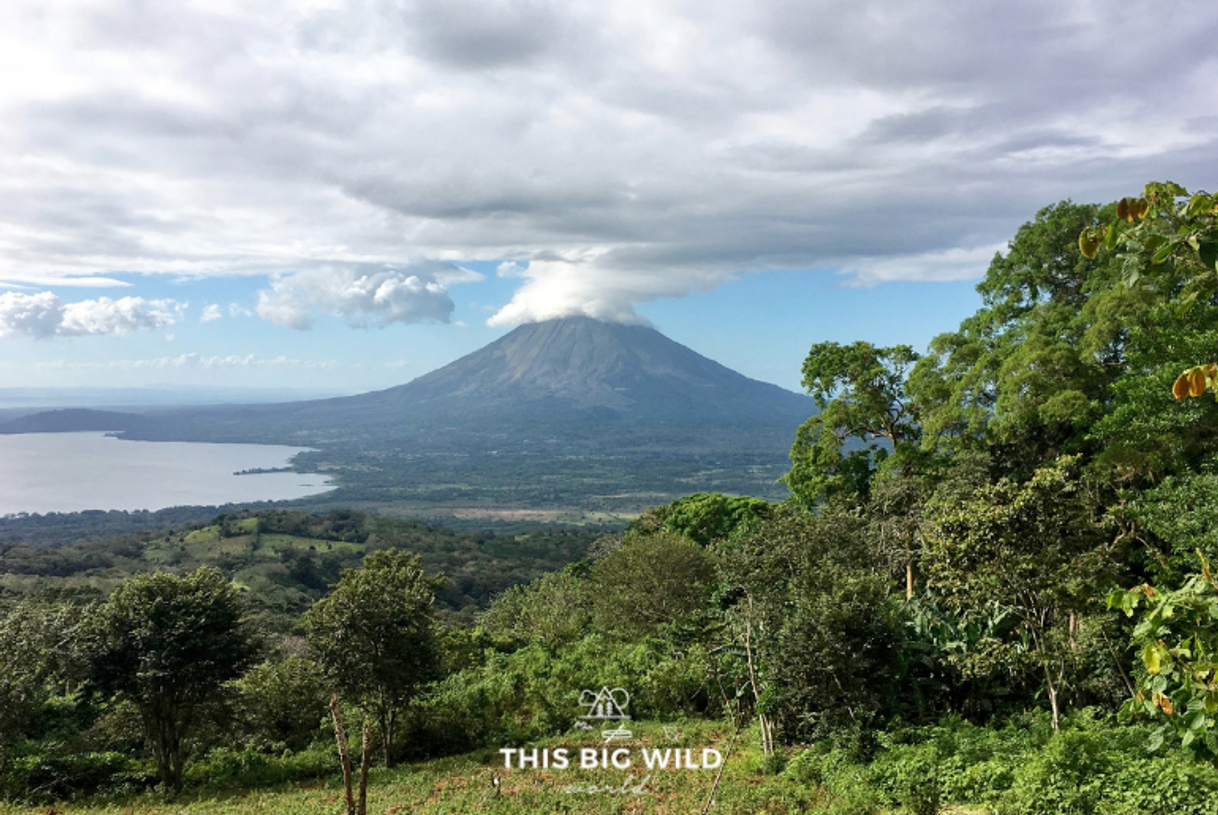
702, 517
283, 702
1022, 377
865, 417
1165, 245
168, 644
1165, 227
1032, 550
1168, 229
35, 644
1074, 349
810, 609
649, 581
374, 636
552, 610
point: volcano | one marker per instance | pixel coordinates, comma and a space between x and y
609, 408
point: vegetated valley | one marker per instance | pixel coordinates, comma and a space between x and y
991, 590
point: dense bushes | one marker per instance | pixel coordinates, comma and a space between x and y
43, 777
1091, 767
533, 692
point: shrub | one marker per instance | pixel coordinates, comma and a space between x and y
225, 767
42, 778
283, 702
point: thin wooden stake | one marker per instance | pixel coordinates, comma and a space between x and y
723, 764
365, 762
343, 755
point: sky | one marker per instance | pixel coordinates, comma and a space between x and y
342, 196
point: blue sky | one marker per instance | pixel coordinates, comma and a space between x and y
760, 325
338, 195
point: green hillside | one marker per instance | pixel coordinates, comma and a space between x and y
286, 560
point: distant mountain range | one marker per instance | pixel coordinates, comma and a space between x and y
619, 397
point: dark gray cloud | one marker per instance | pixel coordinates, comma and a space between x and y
481, 34
627, 151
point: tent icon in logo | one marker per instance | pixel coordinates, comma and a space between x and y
607, 705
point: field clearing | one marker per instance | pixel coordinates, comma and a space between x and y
464, 784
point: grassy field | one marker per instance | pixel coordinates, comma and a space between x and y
464, 784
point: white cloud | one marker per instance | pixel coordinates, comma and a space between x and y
31, 315
122, 316
625, 151
957, 263
211, 312
447, 274
196, 361
510, 268
238, 310
360, 295
599, 284
43, 315
563, 288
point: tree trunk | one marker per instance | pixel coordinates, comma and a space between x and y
909, 580
767, 727
365, 760
386, 726
162, 735
1052, 690
343, 755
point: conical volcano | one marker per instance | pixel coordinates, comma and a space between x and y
581, 365
572, 412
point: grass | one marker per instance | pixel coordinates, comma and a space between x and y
464, 784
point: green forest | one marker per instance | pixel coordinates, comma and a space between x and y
991, 590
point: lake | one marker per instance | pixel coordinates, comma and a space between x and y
70, 472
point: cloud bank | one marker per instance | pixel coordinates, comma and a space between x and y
43, 315
360, 296
613, 153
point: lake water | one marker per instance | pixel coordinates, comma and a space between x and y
70, 472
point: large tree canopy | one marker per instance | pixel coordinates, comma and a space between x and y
1074, 354
168, 644
375, 638
1024, 376
865, 417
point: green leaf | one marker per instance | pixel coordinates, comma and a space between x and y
1200, 203
1110, 237
1209, 254
1163, 253
1186, 303
1131, 270
1152, 659
1155, 741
